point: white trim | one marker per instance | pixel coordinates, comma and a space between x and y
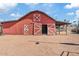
39, 29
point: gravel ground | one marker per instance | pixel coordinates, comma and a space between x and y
56, 45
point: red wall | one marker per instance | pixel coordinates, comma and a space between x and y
17, 27
44, 18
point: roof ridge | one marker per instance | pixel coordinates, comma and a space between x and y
30, 13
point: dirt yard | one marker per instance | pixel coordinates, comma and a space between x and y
56, 45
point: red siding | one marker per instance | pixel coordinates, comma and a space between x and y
17, 27
44, 18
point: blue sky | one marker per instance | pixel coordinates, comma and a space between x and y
58, 11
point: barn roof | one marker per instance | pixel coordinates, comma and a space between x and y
27, 15
39, 12
57, 22
61, 23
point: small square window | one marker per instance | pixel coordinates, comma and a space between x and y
36, 17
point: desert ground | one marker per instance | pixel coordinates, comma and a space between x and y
43, 45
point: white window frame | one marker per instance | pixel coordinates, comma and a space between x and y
26, 28
36, 17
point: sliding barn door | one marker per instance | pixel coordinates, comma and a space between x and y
51, 29
37, 28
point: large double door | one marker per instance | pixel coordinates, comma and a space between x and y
47, 29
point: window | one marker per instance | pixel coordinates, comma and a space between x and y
36, 17
26, 29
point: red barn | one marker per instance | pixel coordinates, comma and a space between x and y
34, 23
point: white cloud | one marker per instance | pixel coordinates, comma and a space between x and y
71, 13
68, 6
6, 6
76, 18
77, 13
12, 14
72, 5
15, 15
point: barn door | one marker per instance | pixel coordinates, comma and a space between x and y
51, 29
37, 29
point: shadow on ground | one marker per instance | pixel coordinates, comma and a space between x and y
70, 44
